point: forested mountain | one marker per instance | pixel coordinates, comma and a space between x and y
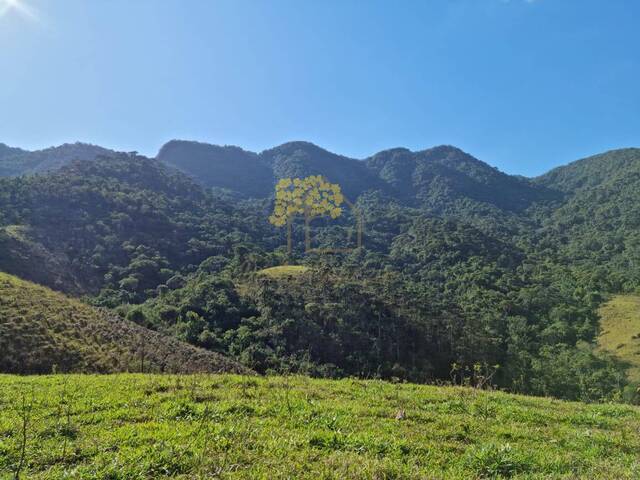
596, 227
124, 222
224, 167
465, 272
593, 172
7, 151
431, 178
15, 161
441, 175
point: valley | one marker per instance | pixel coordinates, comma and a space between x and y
319, 240
462, 269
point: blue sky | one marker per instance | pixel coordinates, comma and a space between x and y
523, 85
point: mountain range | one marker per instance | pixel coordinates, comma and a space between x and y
462, 265
415, 178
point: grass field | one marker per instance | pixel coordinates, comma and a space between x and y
138, 426
620, 331
284, 271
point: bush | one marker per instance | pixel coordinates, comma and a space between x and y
176, 282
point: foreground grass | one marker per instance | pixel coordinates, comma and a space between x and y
137, 426
620, 331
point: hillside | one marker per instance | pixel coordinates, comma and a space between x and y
430, 178
223, 426
14, 161
596, 227
125, 222
620, 331
463, 268
223, 167
42, 331
438, 176
593, 171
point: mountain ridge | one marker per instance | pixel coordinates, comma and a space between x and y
10, 151
16, 161
472, 267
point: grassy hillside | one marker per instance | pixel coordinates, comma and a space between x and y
284, 271
620, 331
221, 426
42, 331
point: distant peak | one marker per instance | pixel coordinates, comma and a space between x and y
392, 151
177, 143
444, 150
299, 146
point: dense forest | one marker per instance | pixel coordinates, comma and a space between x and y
466, 274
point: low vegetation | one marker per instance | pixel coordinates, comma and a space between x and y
223, 426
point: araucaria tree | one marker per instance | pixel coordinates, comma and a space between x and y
310, 197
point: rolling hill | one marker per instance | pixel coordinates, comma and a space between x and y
81, 227
15, 161
42, 331
224, 167
429, 178
441, 175
596, 226
462, 265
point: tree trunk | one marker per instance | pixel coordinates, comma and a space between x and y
307, 234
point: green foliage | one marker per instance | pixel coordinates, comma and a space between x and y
15, 161
576, 373
228, 168
461, 263
122, 225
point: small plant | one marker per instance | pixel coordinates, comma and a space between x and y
492, 461
24, 413
478, 375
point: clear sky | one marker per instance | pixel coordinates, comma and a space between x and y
524, 85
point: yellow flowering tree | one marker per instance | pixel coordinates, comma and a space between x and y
310, 197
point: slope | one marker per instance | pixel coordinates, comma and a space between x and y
441, 175
301, 159
232, 427
127, 223
596, 227
43, 331
620, 331
14, 161
223, 167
